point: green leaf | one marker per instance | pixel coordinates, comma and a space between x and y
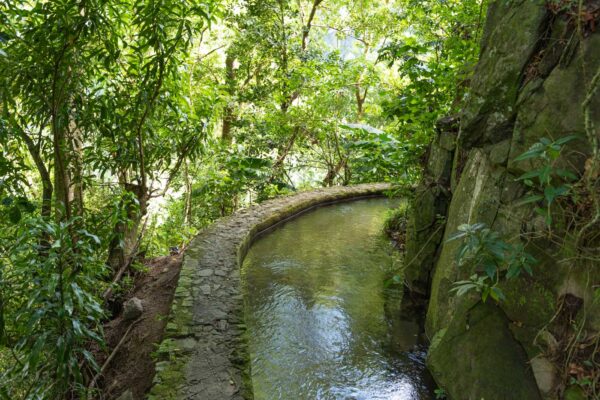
456, 235
566, 139
534, 151
95, 238
566, 174
77, 327
551, 193
490, 269
497, 294
485, 293
534, 198
14, 214
529, 175
68, 303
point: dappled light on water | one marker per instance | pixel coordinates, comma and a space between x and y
315, 309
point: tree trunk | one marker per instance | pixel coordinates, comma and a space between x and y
333, 172
230, 88
62, 180
76, 164
360, 100
46, 209
124, 245
278, 164
187, 213
2, 339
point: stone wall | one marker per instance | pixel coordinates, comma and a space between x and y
534, 72
204, 355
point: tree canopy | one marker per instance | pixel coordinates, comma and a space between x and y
126, 126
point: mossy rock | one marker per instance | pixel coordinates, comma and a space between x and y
432, 197
478, 358
423, 236
511, 35
526, 86
552, 108
475, 200
439, 165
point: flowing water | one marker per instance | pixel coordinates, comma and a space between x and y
316, 311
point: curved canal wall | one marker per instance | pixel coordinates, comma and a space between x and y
204, 354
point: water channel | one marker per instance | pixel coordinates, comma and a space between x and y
318, 311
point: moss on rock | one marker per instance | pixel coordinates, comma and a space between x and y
476, 199
533, 74
477, 358
428, 208
510, 38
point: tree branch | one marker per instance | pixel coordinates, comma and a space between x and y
182, 155
34, 151
306, 28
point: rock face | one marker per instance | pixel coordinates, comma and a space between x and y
204, 355
425, 228
531, 81
459, 350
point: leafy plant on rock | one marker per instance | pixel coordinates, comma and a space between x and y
547, 182
492, 258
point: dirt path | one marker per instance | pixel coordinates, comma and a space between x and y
132, 368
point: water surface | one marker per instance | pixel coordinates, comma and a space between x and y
316, 311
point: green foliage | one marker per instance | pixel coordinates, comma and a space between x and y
15, 207
136, 121
377, 156
233, 174
53, 308
485, 252
172, 232
13, 180
440, 393
547, 182
94, 110
435, 56
396, 219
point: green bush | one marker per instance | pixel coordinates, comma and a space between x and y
49, 281
396, 219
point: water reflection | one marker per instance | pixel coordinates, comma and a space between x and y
316, 311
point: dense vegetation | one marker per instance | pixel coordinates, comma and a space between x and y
125, 127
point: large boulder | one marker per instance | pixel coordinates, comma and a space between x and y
476, 199
511, 36
476, 358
